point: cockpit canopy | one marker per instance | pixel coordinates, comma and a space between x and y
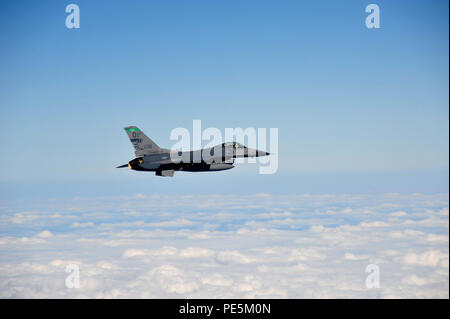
235, 145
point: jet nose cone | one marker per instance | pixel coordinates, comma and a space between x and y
262, 153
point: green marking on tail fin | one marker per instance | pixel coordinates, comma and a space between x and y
132, 129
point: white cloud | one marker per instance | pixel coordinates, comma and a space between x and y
45, 234
173, 279
21, 218
317, 228
419, 281
135, 252
429, 258
347, 210
437, 238
304, 254
226, 246
174, 223
405, 233
364, 225
350, 256
234, 256
166, 250
399, 214
87, 224
192, 252
216, 280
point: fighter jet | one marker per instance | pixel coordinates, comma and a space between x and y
164, 162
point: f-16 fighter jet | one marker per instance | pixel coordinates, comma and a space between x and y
164, 162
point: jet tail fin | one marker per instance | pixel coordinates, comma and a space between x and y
142, 144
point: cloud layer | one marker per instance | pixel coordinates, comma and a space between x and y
224, 246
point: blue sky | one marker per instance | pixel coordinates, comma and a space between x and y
358, 110
362, 118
